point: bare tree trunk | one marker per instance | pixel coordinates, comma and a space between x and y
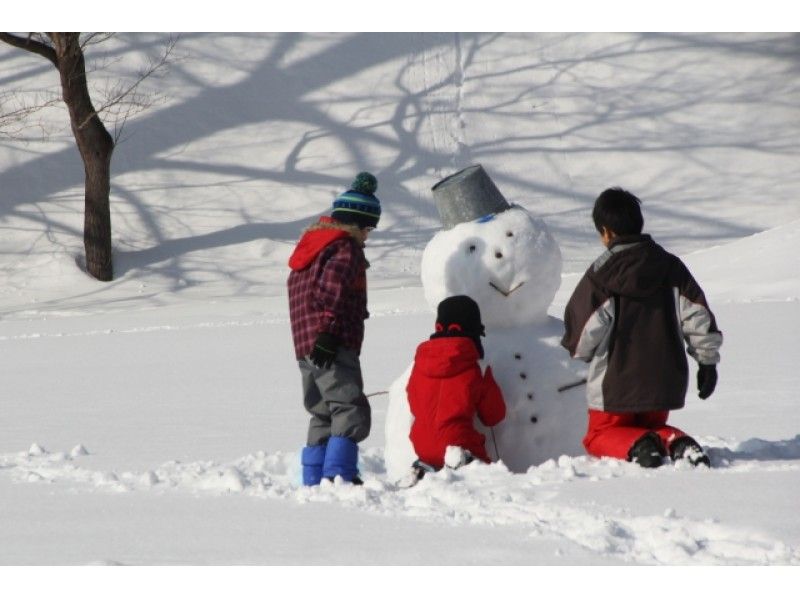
95, 145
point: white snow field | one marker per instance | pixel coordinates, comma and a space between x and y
157, 419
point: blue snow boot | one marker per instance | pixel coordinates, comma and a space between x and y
341, 459
312, 459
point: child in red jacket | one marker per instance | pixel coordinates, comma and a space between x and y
447, 389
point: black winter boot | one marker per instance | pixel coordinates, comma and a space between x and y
648, 451
418, 471
356, 481
688, 448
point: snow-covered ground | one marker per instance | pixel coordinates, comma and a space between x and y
157, 419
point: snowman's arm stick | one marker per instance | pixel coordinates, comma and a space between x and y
375, 394
580, 382
494, 441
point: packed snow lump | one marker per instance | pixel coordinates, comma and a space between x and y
511, 266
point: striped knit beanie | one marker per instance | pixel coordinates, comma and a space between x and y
358, 205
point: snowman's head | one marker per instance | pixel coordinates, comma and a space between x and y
508, 263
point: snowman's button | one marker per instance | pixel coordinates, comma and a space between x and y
523, 375
509, 234
517, 356
534, 419
498, 255
530, 396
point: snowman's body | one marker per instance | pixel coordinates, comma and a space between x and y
511, 266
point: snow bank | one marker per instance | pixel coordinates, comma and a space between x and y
761, 267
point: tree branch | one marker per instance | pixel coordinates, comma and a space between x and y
95, 38
121, 96
31, 45
12, 119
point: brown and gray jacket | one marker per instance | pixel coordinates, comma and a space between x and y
629, 317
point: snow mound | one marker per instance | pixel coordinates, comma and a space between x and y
475, 494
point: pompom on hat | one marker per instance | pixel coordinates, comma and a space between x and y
358, 205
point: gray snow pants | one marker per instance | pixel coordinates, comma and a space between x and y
335, 399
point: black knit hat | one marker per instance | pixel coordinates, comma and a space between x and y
460, 316
358, 205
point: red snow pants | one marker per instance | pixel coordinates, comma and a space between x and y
613, 434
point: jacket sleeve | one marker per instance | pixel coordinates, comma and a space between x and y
491, 406
338, 274
698, 324
588, 319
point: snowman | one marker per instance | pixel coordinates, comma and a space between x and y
507, 261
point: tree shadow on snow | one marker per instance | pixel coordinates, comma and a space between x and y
566, 113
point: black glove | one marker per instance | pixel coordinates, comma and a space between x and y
324, 351
706, 380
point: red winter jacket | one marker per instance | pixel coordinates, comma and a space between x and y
327, 287
445, 391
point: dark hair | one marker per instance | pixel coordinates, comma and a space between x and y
618, 210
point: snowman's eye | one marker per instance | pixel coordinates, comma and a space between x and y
471, 249
509, 234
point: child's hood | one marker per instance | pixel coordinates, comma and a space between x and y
446, 356
634, 266
316, 238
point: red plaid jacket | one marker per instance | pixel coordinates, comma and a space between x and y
327, 287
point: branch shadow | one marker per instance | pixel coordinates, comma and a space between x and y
168, 249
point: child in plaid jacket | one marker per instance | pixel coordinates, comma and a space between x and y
327, 289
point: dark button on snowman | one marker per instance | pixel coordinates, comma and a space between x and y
507, 261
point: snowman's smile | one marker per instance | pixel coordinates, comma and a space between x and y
502, 292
